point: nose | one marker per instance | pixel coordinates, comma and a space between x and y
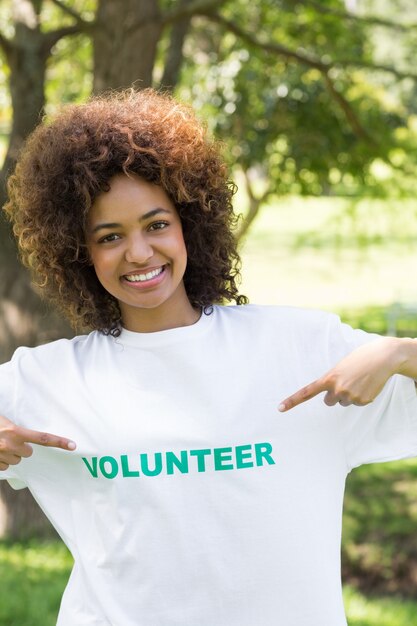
138, 249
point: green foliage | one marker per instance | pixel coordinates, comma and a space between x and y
69, 74
382, 319
278, 116
33, 577
379, 549
378, 611
53, 16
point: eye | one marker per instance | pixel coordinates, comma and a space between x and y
109, 238
160, 225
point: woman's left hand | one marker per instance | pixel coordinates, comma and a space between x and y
358, 378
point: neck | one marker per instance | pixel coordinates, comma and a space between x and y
154, 320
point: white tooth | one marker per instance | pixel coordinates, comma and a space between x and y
142, 277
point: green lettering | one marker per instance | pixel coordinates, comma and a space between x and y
263, 450
91, 468
201, 461
114, 467
145, 467
221, 455
126, 471
181, 464
242, 453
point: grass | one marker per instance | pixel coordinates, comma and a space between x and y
380, 521
328, 253
32, 579
377, 611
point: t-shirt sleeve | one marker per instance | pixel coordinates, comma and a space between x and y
385, 429
7, 409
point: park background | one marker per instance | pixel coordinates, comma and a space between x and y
315, 103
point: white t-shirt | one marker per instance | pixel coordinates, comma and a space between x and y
190, 499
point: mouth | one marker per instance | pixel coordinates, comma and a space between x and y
145, 278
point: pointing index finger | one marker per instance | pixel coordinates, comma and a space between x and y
47, 439
302, 395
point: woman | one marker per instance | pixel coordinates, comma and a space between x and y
183, 495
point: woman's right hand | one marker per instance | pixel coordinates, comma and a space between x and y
15, 440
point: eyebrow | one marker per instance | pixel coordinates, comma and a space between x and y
143, 218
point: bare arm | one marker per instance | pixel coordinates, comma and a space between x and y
361, 376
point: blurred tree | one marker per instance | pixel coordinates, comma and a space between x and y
122, 28
285, 83
297, 113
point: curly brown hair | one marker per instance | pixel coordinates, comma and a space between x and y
69, 160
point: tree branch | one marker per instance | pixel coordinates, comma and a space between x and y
370, 20
52, 37
181, 11
274, 48
195, 7
6, 45
82, 23
255, 203
305, 59
380, 67
175, 53
350, 115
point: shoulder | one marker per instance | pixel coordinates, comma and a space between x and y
277, 327
60, 351
290, 319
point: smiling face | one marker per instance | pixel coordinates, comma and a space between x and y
135, 241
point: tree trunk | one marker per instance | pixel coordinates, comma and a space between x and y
24, 319
255, 203
125, 41
20, 516
175, 54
